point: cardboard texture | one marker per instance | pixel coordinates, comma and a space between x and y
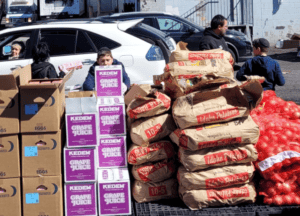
82, 94
287, 44
295, 36
154, 172
114, 197
148, 130
41, 154
42, 196
198, 199
9, 104
220, 105
148, 192
137, 91
112, 152
80, 199
112, 120
10, 197
241, 131
9, 156
217, 157
108, 80
82, 122
42, 105
80, 165
217, 177
153, 104
153, 152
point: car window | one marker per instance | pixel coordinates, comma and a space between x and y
60, 42
100, 41
20, 38
148, 21
171, 25
83, 44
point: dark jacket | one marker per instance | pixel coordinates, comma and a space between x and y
263, 66
89, 83
43, 70
211, 40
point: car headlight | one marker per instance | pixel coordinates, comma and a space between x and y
29, 19
171, 44
154, 54
7, 20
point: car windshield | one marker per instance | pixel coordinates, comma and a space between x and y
189, 22
20, 10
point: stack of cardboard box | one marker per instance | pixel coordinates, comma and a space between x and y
42, 107
10, 190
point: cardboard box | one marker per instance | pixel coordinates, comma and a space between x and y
80, 165
82, 94
137, 90
41, 154
108, 80
42, 196
9, 156
287, 44
112, 120
42, 105
10, 196
82, 122
114, 197
80, 199
112, 152
9, 104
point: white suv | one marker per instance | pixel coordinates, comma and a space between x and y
73, 40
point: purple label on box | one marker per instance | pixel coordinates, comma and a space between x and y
112, 152
109, 82
81, 199
80, 165
81, 130
112, 120
114, 198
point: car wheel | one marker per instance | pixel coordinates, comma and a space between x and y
233, 56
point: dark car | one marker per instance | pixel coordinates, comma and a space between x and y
181, 29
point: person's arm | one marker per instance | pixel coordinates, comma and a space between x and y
51, 73
204, 45
244, 70
126, 79
279, 78
89, 83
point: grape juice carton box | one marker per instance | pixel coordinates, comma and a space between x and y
82, 122
108, 81
80, 165
114, 197
112, 119
112, 152
81, 199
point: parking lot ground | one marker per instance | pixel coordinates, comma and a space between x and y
290, 66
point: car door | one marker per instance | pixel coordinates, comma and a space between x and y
22, 38
69, 45
179, 31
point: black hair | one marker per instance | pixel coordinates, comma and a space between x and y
103, 52
217, 20
262, 43
41, 52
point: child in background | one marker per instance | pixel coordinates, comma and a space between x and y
262, 65
104, 58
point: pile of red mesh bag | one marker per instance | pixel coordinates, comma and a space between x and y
278, 149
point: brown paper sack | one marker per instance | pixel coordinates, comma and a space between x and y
241, 131
216, 177
147, 192
154, 152
182, 53
145, 131
153, 104
216, 106
217, 157
154, 172
198, 199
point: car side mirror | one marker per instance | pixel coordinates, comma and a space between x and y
6, 50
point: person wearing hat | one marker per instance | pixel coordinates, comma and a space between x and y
104, 58
262, 65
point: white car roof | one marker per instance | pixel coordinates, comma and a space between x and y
146, 12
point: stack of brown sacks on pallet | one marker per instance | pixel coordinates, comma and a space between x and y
152, 157
216, 133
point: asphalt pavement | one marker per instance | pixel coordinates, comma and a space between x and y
290, 66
